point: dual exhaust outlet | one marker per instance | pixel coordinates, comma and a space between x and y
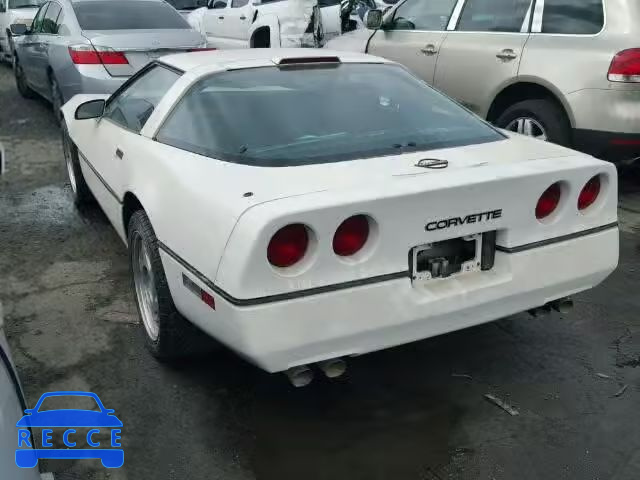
562, 305
303, 375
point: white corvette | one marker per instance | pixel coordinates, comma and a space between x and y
302, 206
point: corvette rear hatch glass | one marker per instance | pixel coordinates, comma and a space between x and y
281, 117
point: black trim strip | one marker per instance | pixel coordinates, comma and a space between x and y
550, 241
102, 180
14, 378
247, 302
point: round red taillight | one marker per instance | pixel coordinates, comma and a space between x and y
288, 245
549, 201
589, 193
351, 235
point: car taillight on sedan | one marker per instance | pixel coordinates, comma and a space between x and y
589, 193
548, 201
89, 55
351, 236
625, 66
288, 246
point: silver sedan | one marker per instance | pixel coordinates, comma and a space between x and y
93, 46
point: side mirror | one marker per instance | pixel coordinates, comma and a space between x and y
373, 19
90, 109
28, 411
18, 29
255, 3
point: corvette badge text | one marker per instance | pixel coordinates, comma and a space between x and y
100, 441
458, 221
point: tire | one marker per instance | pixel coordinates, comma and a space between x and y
56, 98
545, 113
79, 189
21, 80
172, 336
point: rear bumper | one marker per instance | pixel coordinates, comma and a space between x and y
612, 146
352, 321
607, 122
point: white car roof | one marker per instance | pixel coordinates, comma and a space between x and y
257, 57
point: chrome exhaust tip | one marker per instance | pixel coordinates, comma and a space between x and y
300, 376
334, 368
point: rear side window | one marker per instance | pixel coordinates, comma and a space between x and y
132, 107
577, 17
493, 15
128, 15
422, 15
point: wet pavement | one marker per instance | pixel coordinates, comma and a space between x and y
414, 412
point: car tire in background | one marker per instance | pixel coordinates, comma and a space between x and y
167, 333
21, 80
79, 189
56, 98
540, 117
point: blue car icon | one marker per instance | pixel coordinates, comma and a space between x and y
69, 418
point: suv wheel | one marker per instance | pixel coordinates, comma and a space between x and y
541, 119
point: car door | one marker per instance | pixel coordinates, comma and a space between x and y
483, 53
48, 35
29, 49
236, 23
106, 141
413, 35
213, 22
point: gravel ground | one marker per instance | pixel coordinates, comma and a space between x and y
414, 412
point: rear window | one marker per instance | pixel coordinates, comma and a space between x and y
577, 17
127, 15
288, 117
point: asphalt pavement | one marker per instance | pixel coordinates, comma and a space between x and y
412, 412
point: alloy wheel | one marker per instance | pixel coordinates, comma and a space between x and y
145, 287
528, 126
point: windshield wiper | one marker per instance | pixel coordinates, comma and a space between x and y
25, 6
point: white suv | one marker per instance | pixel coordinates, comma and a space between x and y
567, 71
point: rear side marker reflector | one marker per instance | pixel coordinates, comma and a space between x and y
203, 295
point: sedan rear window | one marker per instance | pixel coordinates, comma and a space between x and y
127, 15
287, 116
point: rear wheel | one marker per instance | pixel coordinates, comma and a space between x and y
79, 189
167, 333
539, 118
21, 80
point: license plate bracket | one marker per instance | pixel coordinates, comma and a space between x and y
447, 258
